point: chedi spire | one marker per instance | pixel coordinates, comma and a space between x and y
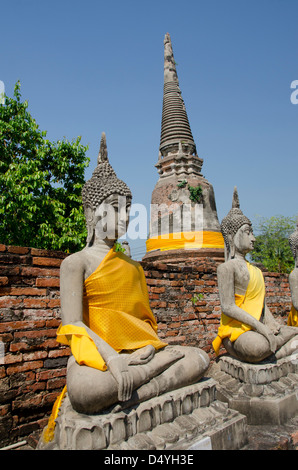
175, 128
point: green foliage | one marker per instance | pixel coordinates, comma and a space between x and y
272, 247
195, 193
40, 183
182, 184
196, 297
118, 247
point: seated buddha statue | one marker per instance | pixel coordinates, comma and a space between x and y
248, 331
293, 280
116, 355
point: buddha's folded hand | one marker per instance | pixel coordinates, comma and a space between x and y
118, 367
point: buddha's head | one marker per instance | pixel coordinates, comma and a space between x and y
237, 230
293, 241
106, 200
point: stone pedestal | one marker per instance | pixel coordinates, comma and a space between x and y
188, 418
266, 393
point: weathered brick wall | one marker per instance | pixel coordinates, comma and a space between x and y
33, 371
182, 320
173, 289
34, 368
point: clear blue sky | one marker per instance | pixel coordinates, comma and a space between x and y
91, 66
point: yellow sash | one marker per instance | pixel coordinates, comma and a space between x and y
252, 302
185, 240
293, 317
116, 307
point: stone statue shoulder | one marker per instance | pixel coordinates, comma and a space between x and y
77, 265
235, 270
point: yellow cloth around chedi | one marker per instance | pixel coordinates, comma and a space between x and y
252, 302
185, 240
116, 307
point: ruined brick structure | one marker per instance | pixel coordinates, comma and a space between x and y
33, 370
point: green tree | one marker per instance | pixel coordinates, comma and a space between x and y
40, 183
272, 247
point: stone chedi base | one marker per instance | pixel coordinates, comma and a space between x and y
266, 393
188, 418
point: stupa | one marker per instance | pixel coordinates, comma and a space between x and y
183, 219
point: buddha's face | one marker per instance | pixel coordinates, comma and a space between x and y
111, 217
244, 239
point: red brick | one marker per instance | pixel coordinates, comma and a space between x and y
32, 402
13, 358
60, 352
36, 314
39, 272
158, 304
35, 387
48, 253
36, 333
34, 303
51, 373
16, 291
52, 303
172, 333
47, 282
3, 281
50, 398
49, 343
158, 290
20, 325
2, 248
46, 261
153, 296
27, 366
34, 356
55, 383
18, 249
21, 346
6, 302
53, 323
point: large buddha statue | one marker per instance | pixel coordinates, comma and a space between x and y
117, 357
293, 279
248, 330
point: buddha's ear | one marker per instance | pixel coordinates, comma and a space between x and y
230, 249
90, 223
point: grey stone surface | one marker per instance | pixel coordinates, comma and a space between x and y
265, 393
190, 416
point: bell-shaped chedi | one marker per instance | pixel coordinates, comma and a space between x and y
183, 209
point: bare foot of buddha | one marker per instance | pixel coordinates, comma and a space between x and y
142, 355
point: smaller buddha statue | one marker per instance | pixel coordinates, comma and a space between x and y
248, 330
293, 280
116, 357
